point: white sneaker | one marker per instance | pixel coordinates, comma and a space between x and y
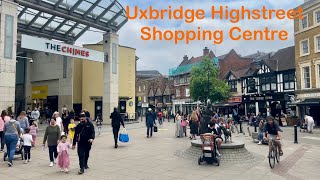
62, 170
29, 160
26, 161
51, 164
259, 143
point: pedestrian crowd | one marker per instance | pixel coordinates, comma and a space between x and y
19, 134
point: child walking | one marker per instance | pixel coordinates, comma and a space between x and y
99, 123
71, 128
34, 131
63, 154
27, 143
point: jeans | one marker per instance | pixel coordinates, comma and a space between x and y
149, 129
53, 152
2, 139
160, 121
11, 143
27, 154
260, 136
115, 131
84, 153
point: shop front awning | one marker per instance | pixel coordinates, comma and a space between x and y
227, 104
67, 20
310, 102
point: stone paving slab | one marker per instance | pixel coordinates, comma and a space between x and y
155, 158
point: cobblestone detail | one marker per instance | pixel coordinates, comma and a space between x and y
234, 156
285, 165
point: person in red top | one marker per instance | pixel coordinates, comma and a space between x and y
160, 117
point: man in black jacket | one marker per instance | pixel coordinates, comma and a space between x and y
84, 136
116, 122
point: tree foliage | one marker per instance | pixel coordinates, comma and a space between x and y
218, 89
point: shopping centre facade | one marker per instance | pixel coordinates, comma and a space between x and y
39, 65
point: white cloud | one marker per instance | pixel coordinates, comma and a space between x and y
162, 55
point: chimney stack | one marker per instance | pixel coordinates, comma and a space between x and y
185, 58
205, 51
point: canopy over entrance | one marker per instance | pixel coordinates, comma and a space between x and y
67, 20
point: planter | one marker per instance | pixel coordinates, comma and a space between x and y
291, 121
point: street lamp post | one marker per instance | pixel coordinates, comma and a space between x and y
208, 85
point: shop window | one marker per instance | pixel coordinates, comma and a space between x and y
268, 83
144, 99
233, 86
139, 88
289, 81
144, 88
306, 77
8, 37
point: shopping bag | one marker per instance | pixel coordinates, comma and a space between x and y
124, 137
155, 129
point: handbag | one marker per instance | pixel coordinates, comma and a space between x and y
155, 129
124, 137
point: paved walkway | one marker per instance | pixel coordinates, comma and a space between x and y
156, 158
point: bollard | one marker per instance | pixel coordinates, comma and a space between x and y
255, 128
240, 126
295, 134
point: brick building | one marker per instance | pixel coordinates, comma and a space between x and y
181, 77
153, 90
307, 53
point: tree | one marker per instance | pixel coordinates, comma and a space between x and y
203, 88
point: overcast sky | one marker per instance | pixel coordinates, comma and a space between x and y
162, 55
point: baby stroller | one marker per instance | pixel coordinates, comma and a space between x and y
208, 148
19, 150
304, 127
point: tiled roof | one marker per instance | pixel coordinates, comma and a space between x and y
194, 60
149, 73
283, 59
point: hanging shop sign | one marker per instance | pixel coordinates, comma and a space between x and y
54, 47
39, 92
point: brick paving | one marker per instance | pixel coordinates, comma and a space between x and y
158, 158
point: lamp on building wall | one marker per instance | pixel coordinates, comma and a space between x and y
27, 58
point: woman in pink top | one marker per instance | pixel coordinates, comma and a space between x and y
3, 118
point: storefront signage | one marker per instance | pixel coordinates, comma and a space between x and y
261, 98
39, 92
235, 99
311, 95
45, 45
145, 105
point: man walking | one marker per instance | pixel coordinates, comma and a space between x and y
150, 121
116, 122
84, 136
35, 115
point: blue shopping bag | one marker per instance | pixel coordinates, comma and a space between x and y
124, 137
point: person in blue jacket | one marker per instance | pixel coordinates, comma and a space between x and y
150, 121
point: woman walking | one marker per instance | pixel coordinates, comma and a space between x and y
3, 119
194, 126
179, 130
12, 133
52, 136
23, 120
